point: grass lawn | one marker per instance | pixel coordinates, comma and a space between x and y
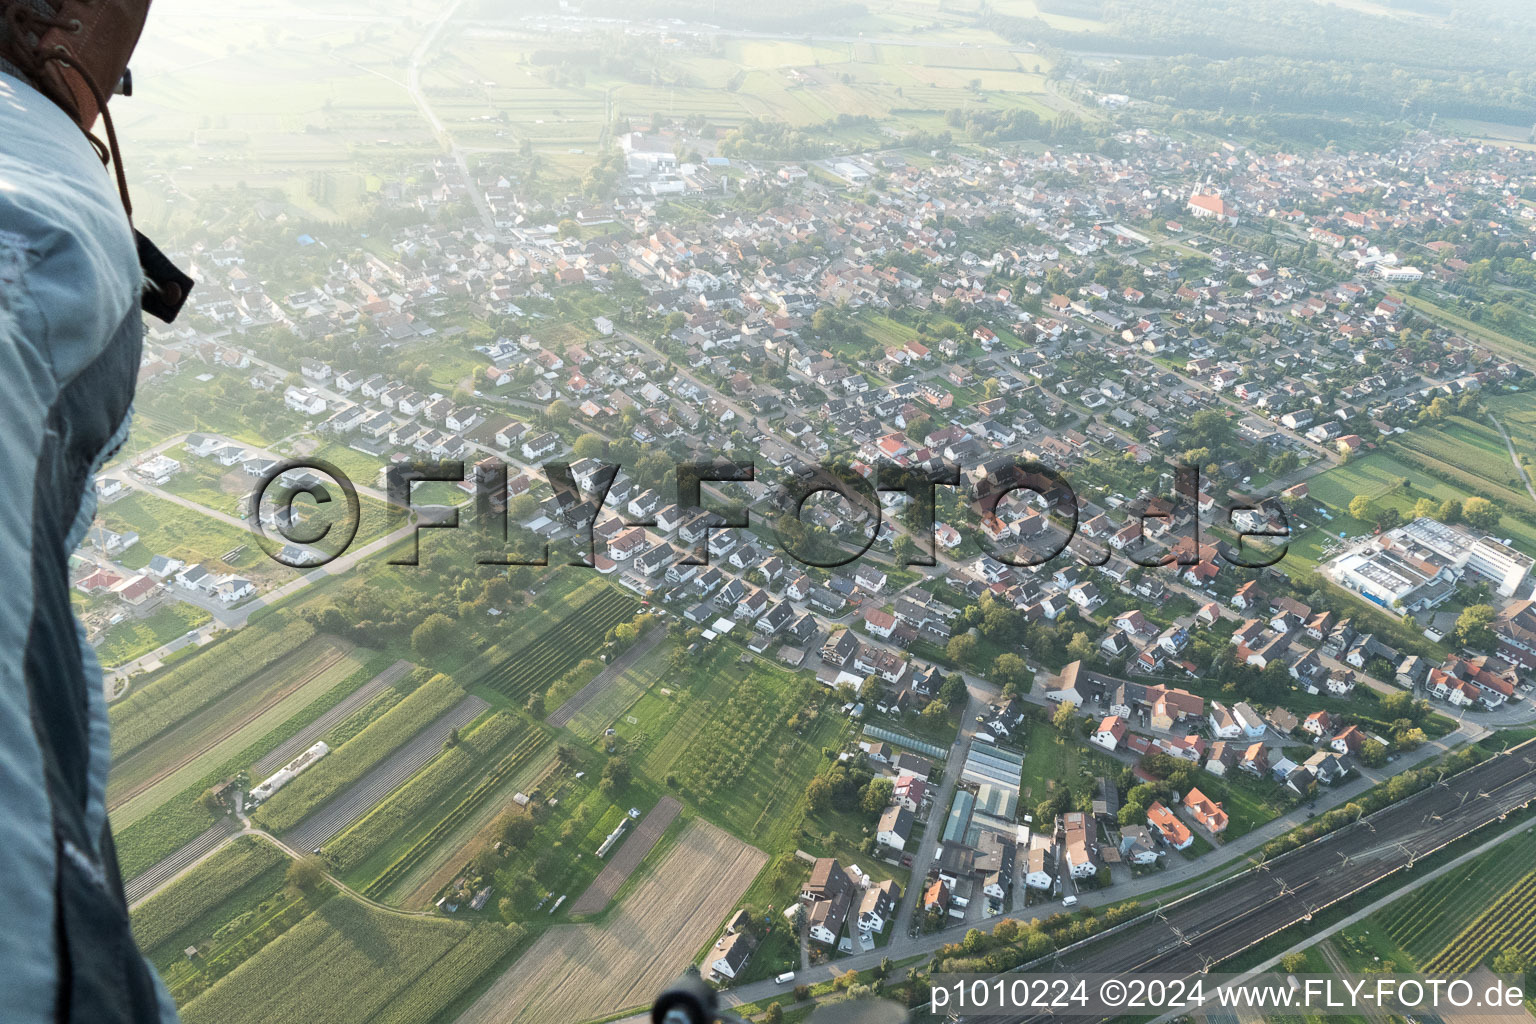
134, 637
1052, 760
165, 528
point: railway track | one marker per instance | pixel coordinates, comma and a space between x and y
1198, 932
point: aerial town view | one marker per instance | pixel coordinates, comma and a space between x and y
827, 495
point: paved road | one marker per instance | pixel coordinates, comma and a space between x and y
938, 812
306, 737
361, 797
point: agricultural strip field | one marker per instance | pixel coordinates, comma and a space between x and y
348, 763
170, 913
632, 851
165, 767
177, 693
530, 668
348, 963
344, 809
578, 972
1424, 921
594, 707
1509, 923
417, 887
306, 737
149, 881
523, 751
426, 791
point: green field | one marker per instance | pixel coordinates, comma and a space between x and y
174, 694
634, 681
165, 528
347, 963
228, 907
1378, 476
186, 754
133, 638
1423, 923
1052, 760
719, 733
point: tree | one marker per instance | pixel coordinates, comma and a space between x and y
1360, 507
774, 1014
1511, 961
1373, 753
305, 874
1080, 647
616, 775
1450, 511
433, 636
1293, 962
1474, 627
1480, 513
961, 648
1062, 718
1010, 671
877, 795
1425, 508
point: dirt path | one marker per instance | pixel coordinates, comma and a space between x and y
1524, 476
605, 679
631, 853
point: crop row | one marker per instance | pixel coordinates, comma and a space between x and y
349, 762
187, 687
205, 887
529, 746
1508, 923
425, 791
559, 648
342, 964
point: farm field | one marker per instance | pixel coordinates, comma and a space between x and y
615, 689
722, 733
578, 972
228, 907
463, 834
470, 768
159, 770
1377, 476
352, 759
174, 694
631, 852
529, 667
1423, 924
347, 963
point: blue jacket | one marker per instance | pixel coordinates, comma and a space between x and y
70, 334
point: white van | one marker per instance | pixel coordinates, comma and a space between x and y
785, 978
1070, 901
